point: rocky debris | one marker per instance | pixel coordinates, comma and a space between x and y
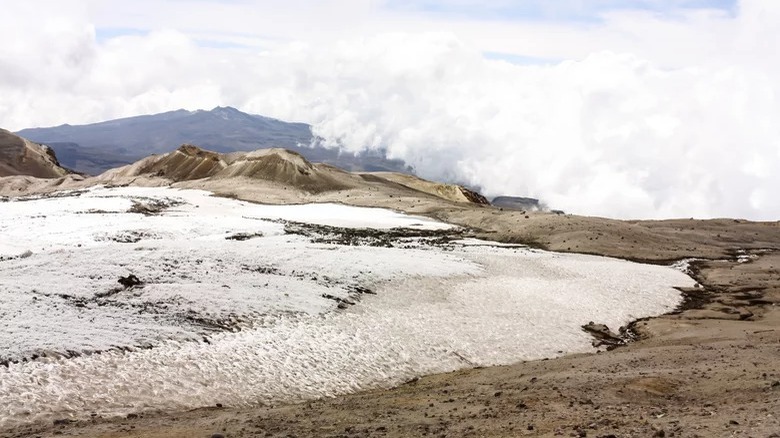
151, 207
342, 302
243, 236
129, 281
473, 196
693, 298
23, 255
130, 236
392, 238
50, 195
603, 335
361, 290
268, 270
354, 296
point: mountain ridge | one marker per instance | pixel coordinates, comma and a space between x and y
97, 147
190, 166
275, 165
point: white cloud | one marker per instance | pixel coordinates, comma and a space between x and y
656, 116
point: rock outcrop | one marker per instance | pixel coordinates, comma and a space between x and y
450, 192
19, 156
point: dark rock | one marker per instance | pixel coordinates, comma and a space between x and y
129, 281
362, 290
243, 236
603, 335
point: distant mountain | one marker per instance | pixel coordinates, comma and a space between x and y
97, 147
22, 157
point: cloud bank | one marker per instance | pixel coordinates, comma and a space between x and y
628, 132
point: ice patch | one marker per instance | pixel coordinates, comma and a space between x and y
243, 322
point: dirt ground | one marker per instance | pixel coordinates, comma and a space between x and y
711, 369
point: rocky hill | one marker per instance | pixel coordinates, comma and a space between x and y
452, 192
19, 156
278, 166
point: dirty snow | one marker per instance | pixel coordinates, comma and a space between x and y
274, 317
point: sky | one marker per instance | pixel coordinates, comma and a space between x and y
626, 109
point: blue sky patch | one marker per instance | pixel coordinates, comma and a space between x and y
103, 34
551, 10
519, 59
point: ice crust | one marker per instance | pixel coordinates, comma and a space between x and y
256, 321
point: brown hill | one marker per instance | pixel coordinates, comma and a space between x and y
19, 156
287, 168
277, 166
271, 175
452, 192
193, 167
185, 163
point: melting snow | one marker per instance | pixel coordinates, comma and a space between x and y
268, 317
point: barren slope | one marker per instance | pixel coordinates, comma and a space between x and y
452, 192
272, 168
23, 157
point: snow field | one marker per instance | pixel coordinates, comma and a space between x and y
272, 335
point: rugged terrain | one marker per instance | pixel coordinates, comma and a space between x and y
711, 369
97, 147
19, 156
